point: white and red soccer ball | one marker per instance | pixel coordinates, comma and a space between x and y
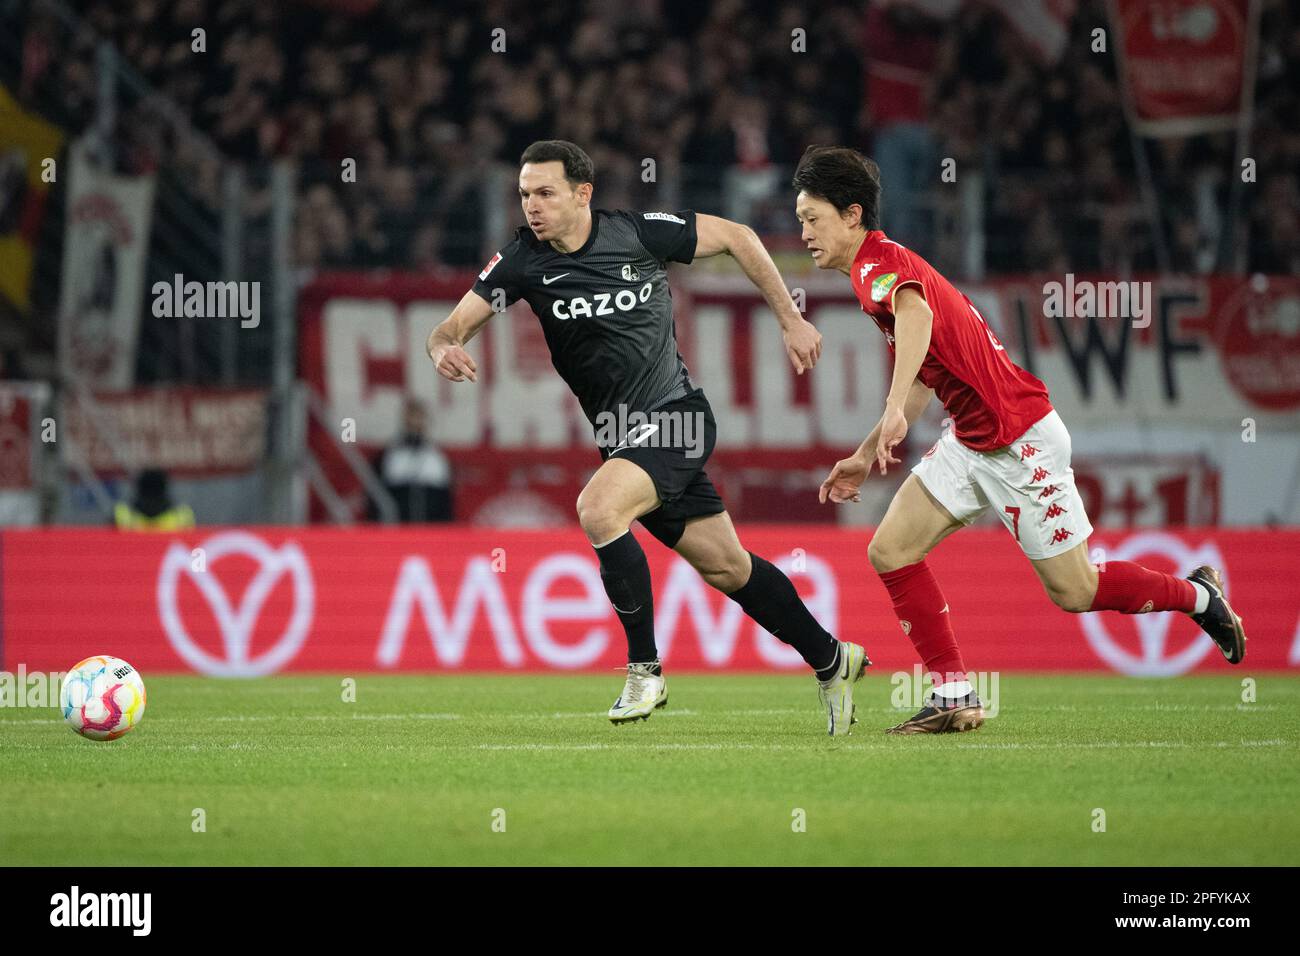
102, 698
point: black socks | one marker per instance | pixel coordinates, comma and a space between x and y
770, 599
826, 673
626, 576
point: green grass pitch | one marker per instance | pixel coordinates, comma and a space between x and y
414, 771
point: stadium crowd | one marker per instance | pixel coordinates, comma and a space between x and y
417, 95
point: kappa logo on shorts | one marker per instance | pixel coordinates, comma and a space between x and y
1038, 475
1054, 511
1028, 451
1060, 534
1048, 492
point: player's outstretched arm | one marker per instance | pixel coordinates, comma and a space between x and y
446, 342
849, 473
714, 235
913, 322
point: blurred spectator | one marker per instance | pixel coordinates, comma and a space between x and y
715, 94
902, 49
11, 364
415, 471
152, 508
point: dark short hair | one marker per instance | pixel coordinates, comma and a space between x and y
578, 167
151, 483
841, 176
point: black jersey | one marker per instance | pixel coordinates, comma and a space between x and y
605, 308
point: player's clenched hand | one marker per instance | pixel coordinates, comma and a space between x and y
892, 430
845, 479
803, 343
454, 363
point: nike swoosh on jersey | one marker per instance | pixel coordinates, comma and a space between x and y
547, 280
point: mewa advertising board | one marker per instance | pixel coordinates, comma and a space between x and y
243, 602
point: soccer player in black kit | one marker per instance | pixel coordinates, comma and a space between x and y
598, 285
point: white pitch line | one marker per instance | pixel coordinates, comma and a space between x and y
667, 712
812, 745
592, 714
1118, 745
250, 718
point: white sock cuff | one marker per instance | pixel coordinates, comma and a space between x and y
1202, 598
954, 688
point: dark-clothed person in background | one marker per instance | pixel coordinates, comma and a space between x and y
415, 471
152, 508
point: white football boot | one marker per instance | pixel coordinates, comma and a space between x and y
643, 692
837, 693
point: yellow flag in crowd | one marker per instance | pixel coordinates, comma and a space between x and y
26, 143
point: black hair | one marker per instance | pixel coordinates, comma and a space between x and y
151, 483
578, 167
841, 176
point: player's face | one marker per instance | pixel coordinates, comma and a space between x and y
829, 235
552, 205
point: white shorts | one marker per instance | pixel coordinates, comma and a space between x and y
1029, 485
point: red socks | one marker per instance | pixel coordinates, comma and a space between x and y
1132, 589
923, 613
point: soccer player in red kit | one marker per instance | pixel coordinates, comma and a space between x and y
1007, 449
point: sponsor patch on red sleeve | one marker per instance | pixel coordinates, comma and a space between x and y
492, 264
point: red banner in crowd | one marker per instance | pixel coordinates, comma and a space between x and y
1213, 356
24, 422
189, 432
1184, 62
248, 602
16, 453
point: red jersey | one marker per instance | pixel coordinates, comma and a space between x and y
992, 400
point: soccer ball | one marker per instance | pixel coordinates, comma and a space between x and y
102, 698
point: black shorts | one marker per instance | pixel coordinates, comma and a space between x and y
673, 455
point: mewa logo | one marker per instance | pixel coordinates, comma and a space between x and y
450, 616
236, 624
1154, 657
